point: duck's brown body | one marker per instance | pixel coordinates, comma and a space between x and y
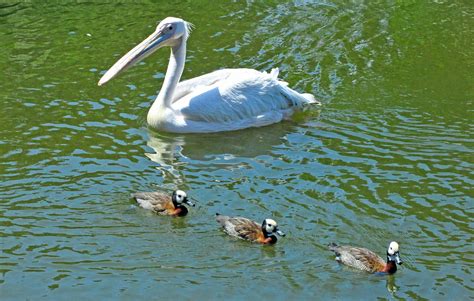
245, 228
363, 259
160, 203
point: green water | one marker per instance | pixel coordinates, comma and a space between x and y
389, 156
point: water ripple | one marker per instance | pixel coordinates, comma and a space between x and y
389, 157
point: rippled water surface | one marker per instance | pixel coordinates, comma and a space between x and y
388, 157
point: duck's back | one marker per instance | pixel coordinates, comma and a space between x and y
360, 258
156, 201
240, 227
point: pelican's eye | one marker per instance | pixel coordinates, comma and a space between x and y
170, 27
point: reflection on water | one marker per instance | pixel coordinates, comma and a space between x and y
172, 152
391, 285
167, 153
206, 147
389, 158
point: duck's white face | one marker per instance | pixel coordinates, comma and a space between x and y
393, 253
271, 226
180, 196
393, 248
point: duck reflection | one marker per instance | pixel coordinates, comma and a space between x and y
391, 285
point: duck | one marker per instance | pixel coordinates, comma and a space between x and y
366, 260
247, 229
163, 203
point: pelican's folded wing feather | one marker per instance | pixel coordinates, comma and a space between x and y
243, 94
188, 86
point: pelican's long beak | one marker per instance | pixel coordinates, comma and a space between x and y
138, 53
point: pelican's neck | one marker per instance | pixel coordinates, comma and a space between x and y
172, 77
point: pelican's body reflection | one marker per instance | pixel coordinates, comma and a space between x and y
173, 151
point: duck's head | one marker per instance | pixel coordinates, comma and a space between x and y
179, 197
393, 253
269, 227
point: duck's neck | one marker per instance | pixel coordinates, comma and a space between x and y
172, 77
180, 209
269, 238
390, 267
265, 234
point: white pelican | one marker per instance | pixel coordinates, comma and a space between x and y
224, 100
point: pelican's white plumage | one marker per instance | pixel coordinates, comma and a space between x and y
223, 100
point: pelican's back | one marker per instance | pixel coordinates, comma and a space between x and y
242, 98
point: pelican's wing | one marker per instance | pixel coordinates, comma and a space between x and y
190, 85
242, 95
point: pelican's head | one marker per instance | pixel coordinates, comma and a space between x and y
169, 32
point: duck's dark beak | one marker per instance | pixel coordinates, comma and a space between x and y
397, 258
187, 201
281, 233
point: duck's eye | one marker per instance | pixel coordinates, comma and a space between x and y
170, 27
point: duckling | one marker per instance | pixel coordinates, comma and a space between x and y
162, 203
249, 230
366, 260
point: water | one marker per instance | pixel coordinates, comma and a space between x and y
389, 156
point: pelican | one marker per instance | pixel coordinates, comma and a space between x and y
223, 100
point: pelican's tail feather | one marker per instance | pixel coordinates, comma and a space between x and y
310, 98
274, 73
298, 100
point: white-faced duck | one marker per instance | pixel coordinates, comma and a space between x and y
366, 260
249, 230
163, 203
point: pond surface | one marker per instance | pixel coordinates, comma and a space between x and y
388, 157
